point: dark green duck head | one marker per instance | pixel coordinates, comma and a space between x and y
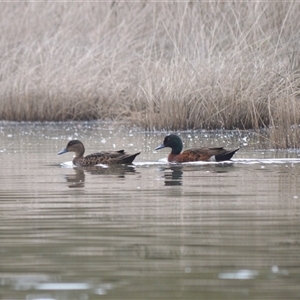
172, 141
74, 146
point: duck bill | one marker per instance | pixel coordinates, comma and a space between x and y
62, 151
160, 147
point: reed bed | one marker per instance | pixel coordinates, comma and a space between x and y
171, 66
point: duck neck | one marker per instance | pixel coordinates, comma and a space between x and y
80, 152
176, 149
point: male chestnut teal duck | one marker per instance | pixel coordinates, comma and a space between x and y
195, 154
103, 157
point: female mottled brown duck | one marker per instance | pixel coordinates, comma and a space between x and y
103, 157
195, 154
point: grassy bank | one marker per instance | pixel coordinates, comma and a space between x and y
167, 66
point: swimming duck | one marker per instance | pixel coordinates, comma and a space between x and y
195, 154
103, 157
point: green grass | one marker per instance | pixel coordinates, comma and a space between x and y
172, 66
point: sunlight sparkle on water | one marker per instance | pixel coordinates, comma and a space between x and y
63, 286
240, 274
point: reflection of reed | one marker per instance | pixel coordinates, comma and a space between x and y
78, 179
154, 251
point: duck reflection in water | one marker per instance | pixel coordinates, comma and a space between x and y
173, 175
77, 180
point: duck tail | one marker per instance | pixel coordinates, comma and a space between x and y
226, 155
128, 159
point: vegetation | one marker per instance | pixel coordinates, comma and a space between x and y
173, 66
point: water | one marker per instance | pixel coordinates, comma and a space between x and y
147, 231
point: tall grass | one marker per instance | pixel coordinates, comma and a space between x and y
173, 66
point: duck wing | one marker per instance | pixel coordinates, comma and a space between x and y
206, 153
126, 158
109, 157
225, 154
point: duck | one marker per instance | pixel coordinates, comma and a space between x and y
103, 157
195, 154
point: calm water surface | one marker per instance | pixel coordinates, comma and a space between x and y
150, 230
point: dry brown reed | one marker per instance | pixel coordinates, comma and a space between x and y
172, 66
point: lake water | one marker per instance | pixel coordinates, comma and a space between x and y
152, 230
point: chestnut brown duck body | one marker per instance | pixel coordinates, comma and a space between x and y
194, 154
103, 157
